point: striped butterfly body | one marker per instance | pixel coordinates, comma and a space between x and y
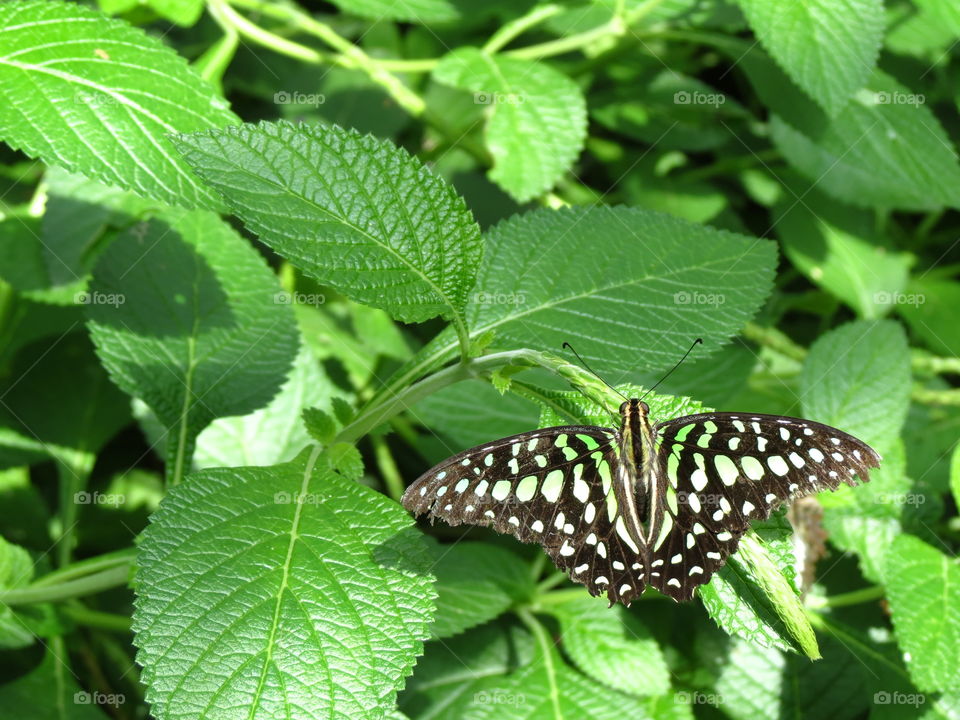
661, 505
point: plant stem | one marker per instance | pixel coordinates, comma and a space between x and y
388, 467
547, 651
228, 17
550, 582
73, 469
87, 585
82, 615
109, 561
775, 340
615, 27
513, 29
855, 597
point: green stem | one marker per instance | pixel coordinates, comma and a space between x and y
388, 467
775, 340
87, 585
351, 55
513, 29
615, 27
824, 625
109, 561
922, 362
558, 597
83, 615
551, 582
547, 651
228, 17
72, 471
855, 597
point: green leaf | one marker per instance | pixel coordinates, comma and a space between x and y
274, 433
312, 592
353, 212
492, 416
536, 117
764, 684
50, 692
320, 425
182, 12
544, 282
828, 47
612, 646
955, 475
923, 589
58, 399
838, 249
476, 582
857, 378
452, 672
184, 316
886, 149
565, 407
68, 68
415, 11
929, 307
16, 571
738, 600
866, 519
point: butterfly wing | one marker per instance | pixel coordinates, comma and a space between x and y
723, 470
552, 486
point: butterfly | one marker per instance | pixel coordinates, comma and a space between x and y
662, 505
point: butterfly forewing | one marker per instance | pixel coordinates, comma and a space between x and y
553, 486
720, 471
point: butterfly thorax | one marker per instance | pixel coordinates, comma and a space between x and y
637, 450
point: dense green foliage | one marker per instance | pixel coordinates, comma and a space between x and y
264, 263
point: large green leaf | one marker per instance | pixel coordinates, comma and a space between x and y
612, 646
99, 97
537, 117
476, 582
185, 316
416, 11
311, 596
929, 307
48, 692
274, 433
828, 47
356, 213
857, 378
923, 589
838, 249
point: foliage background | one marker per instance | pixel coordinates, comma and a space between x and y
231, 319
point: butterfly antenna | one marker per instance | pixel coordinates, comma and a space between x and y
583, 362
695, 342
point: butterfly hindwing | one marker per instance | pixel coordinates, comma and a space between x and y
723, 470
552, 486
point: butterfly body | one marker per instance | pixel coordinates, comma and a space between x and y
661, 505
